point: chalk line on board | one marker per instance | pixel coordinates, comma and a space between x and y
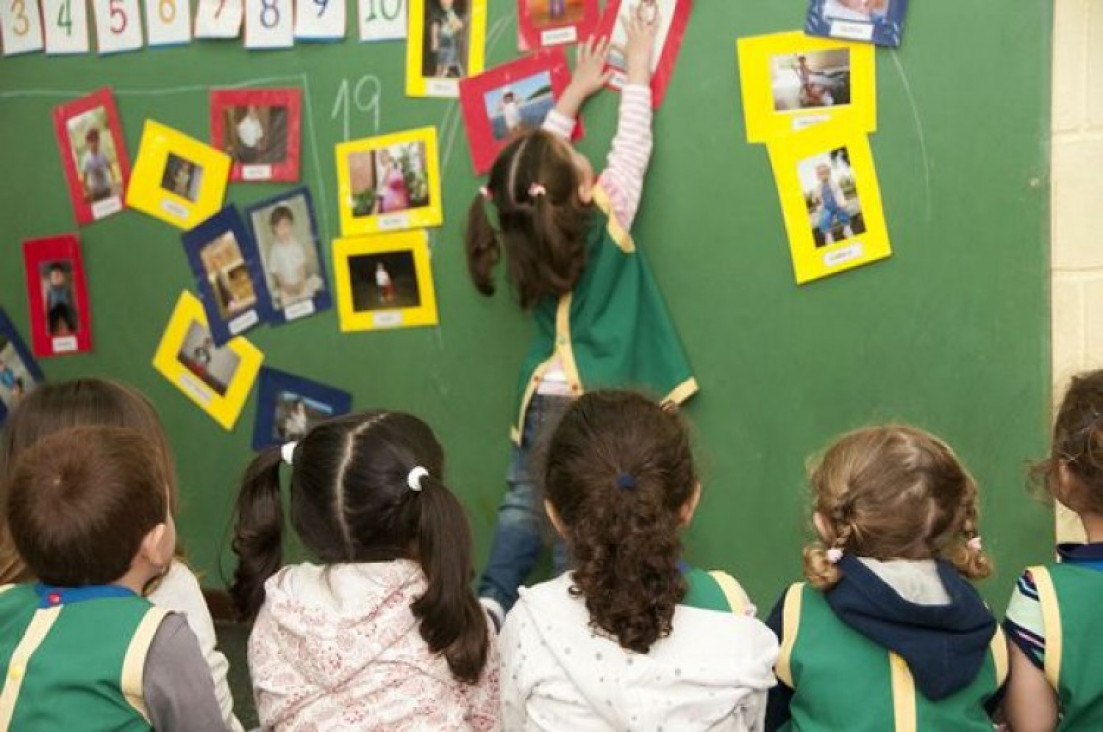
919, 130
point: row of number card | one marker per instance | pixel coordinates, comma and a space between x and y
62, 25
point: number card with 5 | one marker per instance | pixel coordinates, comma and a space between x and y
168, 22
382, 20
218, 18
66, 26
269, 24
20, 26
118, 25
320, 20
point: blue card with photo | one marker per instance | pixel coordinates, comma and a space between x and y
876, 21
228, 275
288, 406
285, 234
19, 372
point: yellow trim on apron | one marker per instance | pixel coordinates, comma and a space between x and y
733, 591
790, 624
134, 663
36, 632
619, 234
903, 695
1051, 622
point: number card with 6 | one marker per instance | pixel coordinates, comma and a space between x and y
168, 22
269, 24
118, 25
66, 25
20, 26
218, 18
320, 20
382, 20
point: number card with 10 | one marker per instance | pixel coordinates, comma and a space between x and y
382, 20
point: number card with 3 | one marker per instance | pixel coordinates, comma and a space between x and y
66, 26
168, 22
118, 25
218, 18
269, 24
20, 26
382, 20
320, 20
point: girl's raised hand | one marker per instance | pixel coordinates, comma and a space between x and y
589, 76
640, 46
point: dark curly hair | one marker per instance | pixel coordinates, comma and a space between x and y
619, 474
1077, 447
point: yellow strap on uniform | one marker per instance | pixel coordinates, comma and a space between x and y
903, 695
622, 238
134, 662
36, 632
999, 655
790, 623
1051, 622
733, 591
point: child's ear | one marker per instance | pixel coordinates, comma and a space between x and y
685, 513
153, 548
553, 516
586, 192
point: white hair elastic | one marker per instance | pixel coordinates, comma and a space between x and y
287, 452
414, 478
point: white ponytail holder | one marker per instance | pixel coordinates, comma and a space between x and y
287, 452
414, 478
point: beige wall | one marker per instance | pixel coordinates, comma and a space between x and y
1077, 196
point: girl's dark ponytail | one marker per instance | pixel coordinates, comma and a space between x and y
452, 621
483, 249
258, 532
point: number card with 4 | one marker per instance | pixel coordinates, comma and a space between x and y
93, 154
20, 26
168, 22
118, 25
218, 18
269, 24
57, 295
66, 26
382, 20
320, 20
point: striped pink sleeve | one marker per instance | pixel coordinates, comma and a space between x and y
559, 124
623, 176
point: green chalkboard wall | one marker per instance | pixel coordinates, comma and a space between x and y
951, 333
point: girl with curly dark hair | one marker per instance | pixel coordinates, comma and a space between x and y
633, 638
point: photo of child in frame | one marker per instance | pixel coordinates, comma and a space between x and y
16, 381
519, 104
228, 275
648, 11
445, 43
866, 11
389, 180
182, 177
286, 241
295, 414
545, 13
58, 297
810, 80
216, 367
93, 150
255, 134
385, 281
831, 195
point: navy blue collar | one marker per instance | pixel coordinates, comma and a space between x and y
1080, 552
54, 596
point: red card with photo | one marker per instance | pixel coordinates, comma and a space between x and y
260, 130
543, 23
57, 295
515, 96
673, 17
93, 154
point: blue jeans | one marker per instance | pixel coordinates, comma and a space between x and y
523, 526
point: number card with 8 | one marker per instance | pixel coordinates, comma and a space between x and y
118, 25
20, 26
269, 24
168, 22
320, 20
66, 26
382, 20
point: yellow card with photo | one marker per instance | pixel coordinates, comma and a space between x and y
389, 183
217, 379
177, 178
446, 43
384, 281
792, 82
831, 201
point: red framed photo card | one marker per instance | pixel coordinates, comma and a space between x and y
93, 155
518, 95
19, 372
543, 23
673, 17
261, 130
57, 295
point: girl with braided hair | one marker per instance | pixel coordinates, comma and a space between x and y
888, 633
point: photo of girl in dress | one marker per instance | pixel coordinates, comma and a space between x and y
255, 134
389, 180
182, 177
810, 80
445, 43
519, 104
831, 195
215, 367
384, 281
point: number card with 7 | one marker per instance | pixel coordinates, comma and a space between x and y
20, 26
269, 24
382, 20
66, 26
168, 22
320, 20
118, 25
218, 18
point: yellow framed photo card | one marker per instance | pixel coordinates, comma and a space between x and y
389, 183
831, 201
791, 81
384, 281
177, 178
446, 43
218, 379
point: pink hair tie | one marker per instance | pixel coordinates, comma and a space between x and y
485, 193
834, 555
536, 189
974, 544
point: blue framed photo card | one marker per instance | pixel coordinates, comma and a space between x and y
19, 372
875, 21
288, 406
